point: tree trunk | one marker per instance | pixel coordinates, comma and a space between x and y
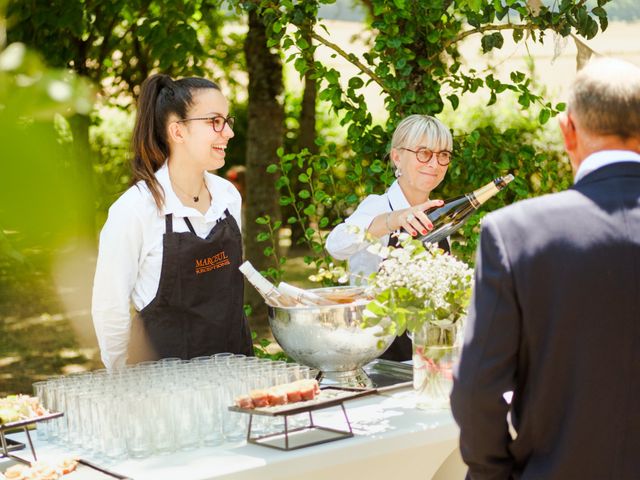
83, 177
307, 137
265, 133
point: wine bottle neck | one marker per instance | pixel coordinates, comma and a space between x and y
482, 194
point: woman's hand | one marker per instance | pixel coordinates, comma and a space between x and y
413, 219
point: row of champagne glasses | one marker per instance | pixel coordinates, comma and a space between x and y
155, 408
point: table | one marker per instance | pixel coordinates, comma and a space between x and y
392, 438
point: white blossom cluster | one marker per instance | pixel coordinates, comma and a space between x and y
435, 279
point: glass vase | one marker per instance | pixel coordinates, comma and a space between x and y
435, 350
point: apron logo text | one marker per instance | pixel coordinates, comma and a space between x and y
214, 262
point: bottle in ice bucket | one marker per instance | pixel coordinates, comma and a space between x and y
303, 297
272, 296
286, 295
456, 211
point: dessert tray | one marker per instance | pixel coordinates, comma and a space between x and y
82, 470
311, 433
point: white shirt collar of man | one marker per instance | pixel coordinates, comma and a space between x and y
601, 159
396, 197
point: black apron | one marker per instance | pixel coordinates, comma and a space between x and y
400, 350
198, 309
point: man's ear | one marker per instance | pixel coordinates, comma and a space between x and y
175, 132
568, 129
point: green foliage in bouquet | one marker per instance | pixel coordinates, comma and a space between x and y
416, 285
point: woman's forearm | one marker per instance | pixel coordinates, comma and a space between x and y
384, 224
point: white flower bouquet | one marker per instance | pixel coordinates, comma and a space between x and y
418, 285
424, 291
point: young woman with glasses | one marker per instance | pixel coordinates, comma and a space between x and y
171, 244
420, 154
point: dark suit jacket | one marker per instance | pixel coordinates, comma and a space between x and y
555, 318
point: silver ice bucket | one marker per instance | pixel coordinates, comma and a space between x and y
330, 339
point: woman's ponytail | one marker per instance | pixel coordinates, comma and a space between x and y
148, 142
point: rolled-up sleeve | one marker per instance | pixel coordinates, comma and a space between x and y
116, 273
345, 240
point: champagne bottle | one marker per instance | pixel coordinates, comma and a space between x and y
272, 296
326, 296
456, 211
343, 295
303, 297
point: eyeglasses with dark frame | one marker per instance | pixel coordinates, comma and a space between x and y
217, 121
424, 155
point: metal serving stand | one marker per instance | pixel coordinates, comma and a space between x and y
11, 445
8, 445
294, 438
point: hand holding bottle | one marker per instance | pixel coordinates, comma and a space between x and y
413, 220
455, 212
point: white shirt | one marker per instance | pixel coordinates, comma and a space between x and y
600, 159
343, 244
130, 254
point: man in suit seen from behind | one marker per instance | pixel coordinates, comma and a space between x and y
555, 314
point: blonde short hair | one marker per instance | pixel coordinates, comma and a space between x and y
605, 98
422, 130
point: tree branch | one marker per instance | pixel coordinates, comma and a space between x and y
351, 59
104, 46
485, 28
506, 26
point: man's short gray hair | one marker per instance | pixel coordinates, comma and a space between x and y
422, 130
605, 98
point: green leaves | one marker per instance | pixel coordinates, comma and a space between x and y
602, 17
417, 63
167, 35
544, 116
454, 100
518, 34
517, 77
262, 236
356, 83
35, 158
473, 5
491, 41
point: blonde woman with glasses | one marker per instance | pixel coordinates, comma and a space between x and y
420, 153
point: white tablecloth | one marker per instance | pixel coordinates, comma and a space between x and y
392, 440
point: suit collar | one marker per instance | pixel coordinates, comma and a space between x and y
618, 169
603, 158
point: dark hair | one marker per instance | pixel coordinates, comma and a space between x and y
160, 96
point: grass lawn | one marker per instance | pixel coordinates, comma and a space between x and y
37, 339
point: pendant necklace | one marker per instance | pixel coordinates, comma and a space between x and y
196, 198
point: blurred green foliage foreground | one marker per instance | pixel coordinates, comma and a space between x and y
41, 203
